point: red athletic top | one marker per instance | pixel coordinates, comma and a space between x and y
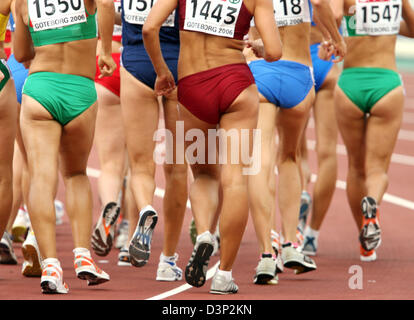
215, 16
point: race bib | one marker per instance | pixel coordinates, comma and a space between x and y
52, 14
216, 17
118, 9
378, 17
136, 12
291, 12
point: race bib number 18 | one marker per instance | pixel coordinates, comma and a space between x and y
216, 17
378, 17
291, 12
137, 11
52, 14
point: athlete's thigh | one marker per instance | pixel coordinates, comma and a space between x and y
351, 125
140, 112
41, 137
8, 123
290, 124
76, 142
383, 126
109, 131
199, 140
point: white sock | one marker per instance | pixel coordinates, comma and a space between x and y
202, 234
311, 232
226, 274
82, 251
147, 208
53, 261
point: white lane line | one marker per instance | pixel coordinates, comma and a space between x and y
395, 158
406, 135
184, 287
387, 197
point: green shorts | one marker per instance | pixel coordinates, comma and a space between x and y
366, 86
65, 96
4, 69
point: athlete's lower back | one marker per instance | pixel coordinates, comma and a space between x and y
200, 52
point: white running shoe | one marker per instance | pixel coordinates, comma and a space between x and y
32, 265
86, 269
276, 248
370, 235
168, 269
265, 270
293, 258
52, 277
7, 255
20, 226
221, 285
196, 270
122, 234
124, 259
104, 231
140, 244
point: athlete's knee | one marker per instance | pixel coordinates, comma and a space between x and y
175, 172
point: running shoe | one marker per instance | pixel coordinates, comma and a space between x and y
122, 234
20, 226
7, 255
103, 234
196, 270
124, 259
221, 285
370, 235
265, 270
305, 205
276, 248
367, 256
32, 265
293, 258
140, 245
168, 269
59, 211
299, 236
193, 231
86, 269
310, 245
52, 277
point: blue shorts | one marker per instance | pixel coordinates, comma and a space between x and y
137, 62
283, 83
19, 73
321, 68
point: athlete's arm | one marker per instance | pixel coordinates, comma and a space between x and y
407, 25
165, 82
323, 15
22, 43
106, 21
265, 23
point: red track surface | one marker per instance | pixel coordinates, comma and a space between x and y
390, 277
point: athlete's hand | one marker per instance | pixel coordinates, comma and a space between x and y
107, 65
340, 51
257, 47
326, 50
164, 84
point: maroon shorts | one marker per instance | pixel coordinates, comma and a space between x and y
208, 94
112, 83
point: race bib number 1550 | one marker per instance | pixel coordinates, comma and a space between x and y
52, 14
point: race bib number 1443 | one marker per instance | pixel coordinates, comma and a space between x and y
216, 17
52, 14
